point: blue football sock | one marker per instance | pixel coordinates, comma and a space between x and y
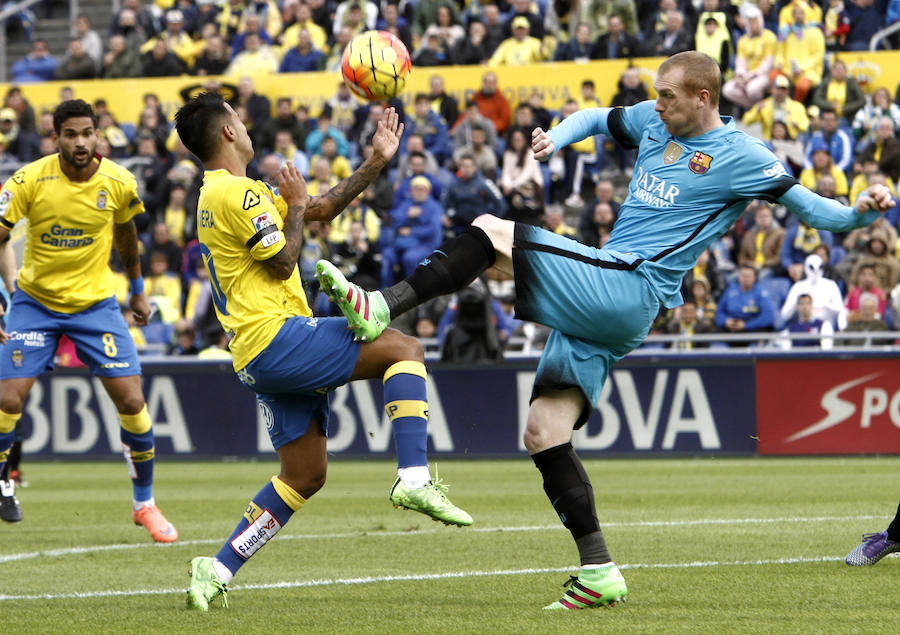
266, 514
139, 452
406, 403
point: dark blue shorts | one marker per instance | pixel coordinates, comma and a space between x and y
294, 375
99, 333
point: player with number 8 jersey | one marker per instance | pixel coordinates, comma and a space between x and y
77, 204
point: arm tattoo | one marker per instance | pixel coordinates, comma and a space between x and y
327, 206
282, 264
125, 237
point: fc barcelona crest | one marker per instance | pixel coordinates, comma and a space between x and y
700, 163
672, 153
101, 199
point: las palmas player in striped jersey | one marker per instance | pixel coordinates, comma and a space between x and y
77, 205
250, 237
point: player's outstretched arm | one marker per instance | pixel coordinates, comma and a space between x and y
385, 142
574, 128
826, 213
292, 188
126, 240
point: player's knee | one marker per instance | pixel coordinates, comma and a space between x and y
130, 404
410, 349
307, 482
12, 403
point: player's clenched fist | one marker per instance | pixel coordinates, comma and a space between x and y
877, 197
541, 144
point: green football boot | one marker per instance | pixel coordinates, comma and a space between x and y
431, 500
366, 311
593, 587
205, 585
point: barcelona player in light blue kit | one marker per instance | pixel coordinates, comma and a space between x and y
695, 174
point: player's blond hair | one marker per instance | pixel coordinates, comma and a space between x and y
700, 73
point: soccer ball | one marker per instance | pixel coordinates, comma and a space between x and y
376, 65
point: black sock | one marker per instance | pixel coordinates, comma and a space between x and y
894, 528
449, 268
569, 489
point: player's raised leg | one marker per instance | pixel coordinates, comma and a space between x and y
876, 546
303, 471
548, 437
139, 451
400, 361
452, 266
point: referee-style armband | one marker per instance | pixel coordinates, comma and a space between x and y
136, 285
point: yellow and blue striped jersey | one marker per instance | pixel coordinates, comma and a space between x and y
69, 233
239, 224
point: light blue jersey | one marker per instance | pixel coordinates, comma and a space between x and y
686, 192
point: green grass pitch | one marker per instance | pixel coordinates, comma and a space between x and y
707, 545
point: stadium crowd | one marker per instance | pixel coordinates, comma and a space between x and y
784, 81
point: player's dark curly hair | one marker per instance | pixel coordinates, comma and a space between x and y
72, 108
197, 123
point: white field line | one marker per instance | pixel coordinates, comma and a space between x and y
70, 551
417, 578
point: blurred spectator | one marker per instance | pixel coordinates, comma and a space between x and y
885, 150
418, 166
836, 25
688, 323
839, 92
23, 145
806, 322
674, 38
161, 62
176, 215
574, 157
745, 306
355, 212
801, 53
555, 221
286, 150
214, 59
177, 40
417, 232
579, 48
160, 240
631, 89
121, 60
778, 107
324, 128
523, 119
866, 118
256, 59
518, 50
303, 20
865, 19
134, 22
415, 150
257, 105
521, 181
801, 240
252, 26
336, 52
827, 301
838, 141
616, 43
761, 245
706, 306
867, 282
788, 149
443, 103
446, 27
284, 119
713, 38
90, 39
359, 15
340, 166
484, 156
492, 104
822, 163
38, 66
185, 341
787, 16
868, 321
469, 330
76, 64
303, 57
524, 9
587, 98
494, 25
753, 62
468, 121
878, 254
542, 116
207, 13
343, 106
24, 112
392, 21
475, 48
431, 126
358, 257
855, 243
163, 288
218, 345
596, 224
425, 15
